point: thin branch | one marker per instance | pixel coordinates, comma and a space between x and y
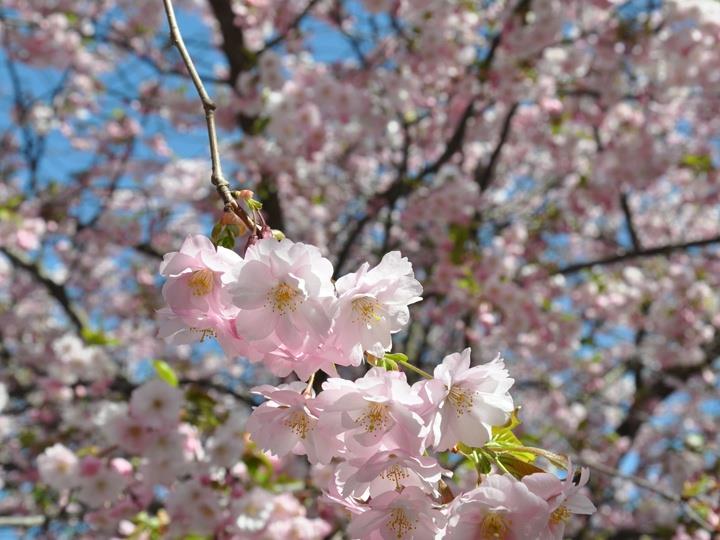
625, 205
54, 289
484, 175
454, 143
293, 25
217, 178
653, 487
648, 252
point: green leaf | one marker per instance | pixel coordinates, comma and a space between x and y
165, 372
216, 233
227, 241
97, 337
515, 466
699, 163
254, 204
396, 357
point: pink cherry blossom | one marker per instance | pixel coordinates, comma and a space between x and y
375, 412
388, 470
501, 507
465, 402
288, 422
373, 304
563, 498
398, 516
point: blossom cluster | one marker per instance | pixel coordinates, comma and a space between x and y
279, 306
205, 486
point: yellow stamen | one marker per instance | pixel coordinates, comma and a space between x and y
201, 282
366, 310
374, 417
283, 298
461, 399
396, 474
560, 515
494, 527
399, 523
299, 423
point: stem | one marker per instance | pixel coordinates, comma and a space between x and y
311, 381
218, 180
408, 365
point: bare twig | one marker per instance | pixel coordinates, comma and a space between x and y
293, 25
217, 178
54, 289
652, 487
484, 175
648, 252
625, 205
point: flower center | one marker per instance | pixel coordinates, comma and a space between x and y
461, 399
399, 523
494, 527
204, 332
201, 282
560, 515
299, 423
396, 474
284, 298
375, 416
366, 310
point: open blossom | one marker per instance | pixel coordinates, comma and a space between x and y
373, 305
563, 498
156, 404
398, 516
284, 290
58, 467
500, 508
387, 471
193, 508
374, 413
465, 403
104, 485
288, 422
190, 328
197, 275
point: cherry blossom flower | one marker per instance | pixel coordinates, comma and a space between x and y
464, 402
197, 275
376, 412
563, 498
501, 507
388, 470
58, 467
398, 516
284, 290
373, 304
156, 403
288, 422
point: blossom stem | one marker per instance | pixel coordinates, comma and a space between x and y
311, 381
408, 365
217, 178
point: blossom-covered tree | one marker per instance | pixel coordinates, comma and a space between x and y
235, 346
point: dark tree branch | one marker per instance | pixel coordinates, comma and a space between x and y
648, 252
484, 175
238, 56
55, 290
625, 205
293, 25
455, 142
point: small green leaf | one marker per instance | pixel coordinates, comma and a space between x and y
97, 337
396, 357
165, 372
254, 204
